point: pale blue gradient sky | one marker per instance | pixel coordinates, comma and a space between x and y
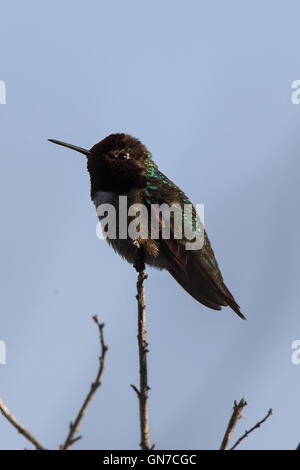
207, 86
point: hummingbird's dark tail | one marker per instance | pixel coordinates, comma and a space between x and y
220, 299
232, 303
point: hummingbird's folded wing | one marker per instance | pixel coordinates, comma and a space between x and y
197, 271
194, 275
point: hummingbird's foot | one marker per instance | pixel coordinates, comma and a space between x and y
136, 243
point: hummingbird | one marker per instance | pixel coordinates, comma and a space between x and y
122, 165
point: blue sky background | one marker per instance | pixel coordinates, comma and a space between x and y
206, 85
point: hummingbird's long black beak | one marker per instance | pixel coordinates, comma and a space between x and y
70, 146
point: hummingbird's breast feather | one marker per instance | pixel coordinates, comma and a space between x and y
124, 246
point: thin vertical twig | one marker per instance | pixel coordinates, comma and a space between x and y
142, 393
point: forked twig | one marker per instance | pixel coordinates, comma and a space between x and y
74, 427
71, 438
236, 415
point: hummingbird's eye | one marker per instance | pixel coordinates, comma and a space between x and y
123, 156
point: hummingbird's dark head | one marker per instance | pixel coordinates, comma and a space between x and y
116, 163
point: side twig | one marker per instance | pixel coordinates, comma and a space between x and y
142, 393
74, 427
256, 426
236, 415
11, 418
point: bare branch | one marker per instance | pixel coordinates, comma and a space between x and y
142, 393
74, 427
256, 426
10, 417
236, 415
